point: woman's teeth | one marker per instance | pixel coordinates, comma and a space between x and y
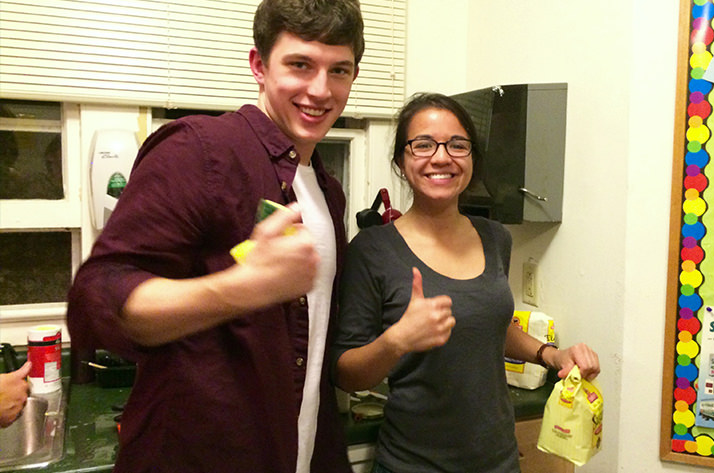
440, 176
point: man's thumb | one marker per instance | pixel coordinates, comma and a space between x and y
417, 288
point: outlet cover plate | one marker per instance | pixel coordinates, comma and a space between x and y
530, 283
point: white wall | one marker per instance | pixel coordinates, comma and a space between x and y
437, 40
603, 270
582, 263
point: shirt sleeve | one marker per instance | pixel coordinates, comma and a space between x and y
155, 230
359, 320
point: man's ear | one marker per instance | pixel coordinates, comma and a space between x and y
356, 72
256, 65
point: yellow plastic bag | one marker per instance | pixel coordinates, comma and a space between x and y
572, 420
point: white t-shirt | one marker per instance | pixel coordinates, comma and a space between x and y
316, 218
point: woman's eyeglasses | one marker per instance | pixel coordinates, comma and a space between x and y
426, 147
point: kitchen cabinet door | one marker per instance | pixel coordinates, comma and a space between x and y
532, 459
521, 132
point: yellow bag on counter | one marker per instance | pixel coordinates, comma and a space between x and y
572, 420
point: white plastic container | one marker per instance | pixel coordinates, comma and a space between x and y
44, 350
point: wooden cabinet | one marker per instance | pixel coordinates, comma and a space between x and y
532, 459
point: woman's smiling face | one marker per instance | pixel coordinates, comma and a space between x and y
440, 177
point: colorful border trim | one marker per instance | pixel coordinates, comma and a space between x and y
687, 437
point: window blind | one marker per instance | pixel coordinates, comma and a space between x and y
171, 54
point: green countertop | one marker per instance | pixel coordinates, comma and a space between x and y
91, 437
529, 404
91, 440
91, 431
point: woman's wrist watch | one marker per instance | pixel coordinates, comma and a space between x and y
539, 354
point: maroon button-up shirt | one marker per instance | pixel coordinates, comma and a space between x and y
226, 399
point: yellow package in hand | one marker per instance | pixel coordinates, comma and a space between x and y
265, 208
572, 420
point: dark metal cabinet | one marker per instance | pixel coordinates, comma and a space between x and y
521, 139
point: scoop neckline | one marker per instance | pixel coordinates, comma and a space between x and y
486, 242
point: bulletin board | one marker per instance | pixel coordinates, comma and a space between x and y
687, 430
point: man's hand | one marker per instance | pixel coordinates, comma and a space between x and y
279, 268
283, 261
14, 390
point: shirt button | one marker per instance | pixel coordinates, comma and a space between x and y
292, 154
300, 361
283, 185
303, 300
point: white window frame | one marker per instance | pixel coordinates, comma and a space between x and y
51, 214
358, 171
38, 215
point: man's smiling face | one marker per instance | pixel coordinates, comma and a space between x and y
304, 87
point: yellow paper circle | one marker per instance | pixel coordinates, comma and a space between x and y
693, 278
700, 59
704, 445
699, 134
696, 207
685, 418
689, 348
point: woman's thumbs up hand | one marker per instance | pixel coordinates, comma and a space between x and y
426, 323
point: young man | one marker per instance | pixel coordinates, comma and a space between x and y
231, 373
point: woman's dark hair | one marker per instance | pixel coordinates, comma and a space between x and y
333, 22
423, 101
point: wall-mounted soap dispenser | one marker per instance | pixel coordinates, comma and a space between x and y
113, 154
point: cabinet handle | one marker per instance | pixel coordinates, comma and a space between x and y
535, 196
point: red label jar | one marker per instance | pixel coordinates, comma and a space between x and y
44, 350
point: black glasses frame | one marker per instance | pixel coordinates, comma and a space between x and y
420, 154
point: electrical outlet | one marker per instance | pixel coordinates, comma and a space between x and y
530, 283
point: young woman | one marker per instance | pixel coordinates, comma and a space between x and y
425, 301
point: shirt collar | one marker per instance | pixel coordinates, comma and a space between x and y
272, 137
280, 147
